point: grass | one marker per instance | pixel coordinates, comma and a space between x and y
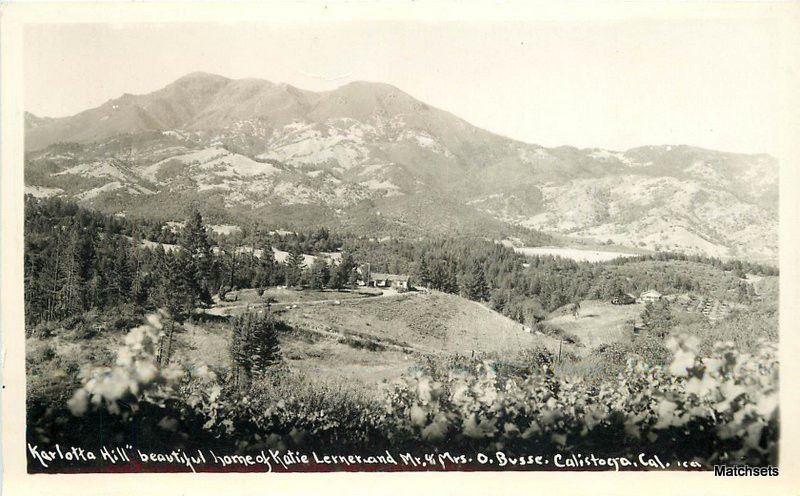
432, 322
284, 297
599, 322
367, 340
577, 254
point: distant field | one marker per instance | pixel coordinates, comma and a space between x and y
599, 322
284, 297
577, 254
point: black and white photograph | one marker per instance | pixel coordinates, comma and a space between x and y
409, 245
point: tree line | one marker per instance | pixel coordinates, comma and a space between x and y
76, 259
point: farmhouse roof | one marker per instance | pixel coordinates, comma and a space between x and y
388, 277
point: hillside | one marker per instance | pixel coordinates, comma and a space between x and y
598, 322
369, 339
369, 157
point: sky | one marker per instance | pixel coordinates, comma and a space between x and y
613, 84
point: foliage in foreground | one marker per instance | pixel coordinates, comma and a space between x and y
722, 408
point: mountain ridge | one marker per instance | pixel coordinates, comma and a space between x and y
370, 154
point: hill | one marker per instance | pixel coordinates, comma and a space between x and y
369, 339
599, 322
370, 157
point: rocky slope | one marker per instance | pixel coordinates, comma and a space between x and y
373, 158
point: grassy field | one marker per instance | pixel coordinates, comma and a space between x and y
433, 322
577, 254
284, 298
599, 322
367, 340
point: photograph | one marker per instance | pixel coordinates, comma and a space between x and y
402, 245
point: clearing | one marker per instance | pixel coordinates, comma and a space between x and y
599, 322
366, 339
577, 254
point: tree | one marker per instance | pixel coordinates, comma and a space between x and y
267, 273
172, 292
320, 274
195, 242
254, 346
344, 274
422, 272
229, 265
438, 276
451, 278
474, 285
352, 279
294, 266
657, 318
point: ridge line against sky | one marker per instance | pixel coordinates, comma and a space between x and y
614, 85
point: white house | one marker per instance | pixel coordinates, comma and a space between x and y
650, 296
379, 280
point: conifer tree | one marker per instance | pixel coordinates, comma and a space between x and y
475, 283
423, 273
267, 266
72, 288
254, 346
195, 242
320, 273
294, 266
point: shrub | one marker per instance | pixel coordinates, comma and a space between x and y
536, 358
721, 409
556, 332
650, 348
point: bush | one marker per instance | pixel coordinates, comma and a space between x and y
720, 409
535, 358
650, 348
125, 317
556, 332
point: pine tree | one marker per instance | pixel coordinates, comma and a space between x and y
173, 291
121, 273
320, 274
72, 284
195, 242
344, 274
294, 266
475, 283
267, 267
254, 346
423, 273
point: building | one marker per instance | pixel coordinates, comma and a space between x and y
650, 296
379, 280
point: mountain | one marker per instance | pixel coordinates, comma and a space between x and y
370, 157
